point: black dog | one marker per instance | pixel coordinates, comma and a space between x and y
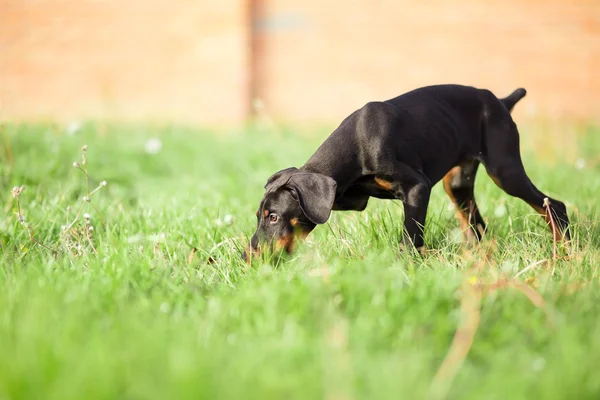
399, 149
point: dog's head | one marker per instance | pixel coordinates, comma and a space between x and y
293, 204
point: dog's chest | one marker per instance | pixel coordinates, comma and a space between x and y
376, 187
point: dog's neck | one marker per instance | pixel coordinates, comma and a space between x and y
336, 159
341, 173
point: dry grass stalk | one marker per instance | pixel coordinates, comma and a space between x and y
75, 239
553, 225
473, 291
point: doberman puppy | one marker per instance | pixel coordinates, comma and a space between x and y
399, 149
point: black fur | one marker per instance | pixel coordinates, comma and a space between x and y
399, 149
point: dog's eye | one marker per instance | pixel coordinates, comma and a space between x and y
273, 218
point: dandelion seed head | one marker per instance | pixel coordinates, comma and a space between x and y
17, 190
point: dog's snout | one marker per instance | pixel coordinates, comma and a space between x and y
254, 242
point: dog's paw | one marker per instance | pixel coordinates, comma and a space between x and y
406, 246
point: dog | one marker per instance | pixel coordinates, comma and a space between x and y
399, 149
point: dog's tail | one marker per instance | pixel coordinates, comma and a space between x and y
512, 99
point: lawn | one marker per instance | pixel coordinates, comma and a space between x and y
126, 311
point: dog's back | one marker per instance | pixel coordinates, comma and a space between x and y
458, 96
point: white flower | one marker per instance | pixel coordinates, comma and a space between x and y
73, 127
500, 210
153, 146
226, 220
86, 216
86, 199
456, 235
75, 164
103, 183
164, 307
158, 237
258, 104
538, 364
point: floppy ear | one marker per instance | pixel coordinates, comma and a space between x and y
279, 178
316, 194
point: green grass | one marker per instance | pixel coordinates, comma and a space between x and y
347, 317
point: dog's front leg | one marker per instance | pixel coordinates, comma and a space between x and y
415, 211
413, 188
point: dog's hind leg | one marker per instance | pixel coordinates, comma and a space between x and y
503, 163
459, 184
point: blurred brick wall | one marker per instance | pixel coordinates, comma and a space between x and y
202, 61
179, 59
320, 61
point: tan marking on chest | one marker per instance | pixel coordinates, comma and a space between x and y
382, 183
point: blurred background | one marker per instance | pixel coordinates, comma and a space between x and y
222, 61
